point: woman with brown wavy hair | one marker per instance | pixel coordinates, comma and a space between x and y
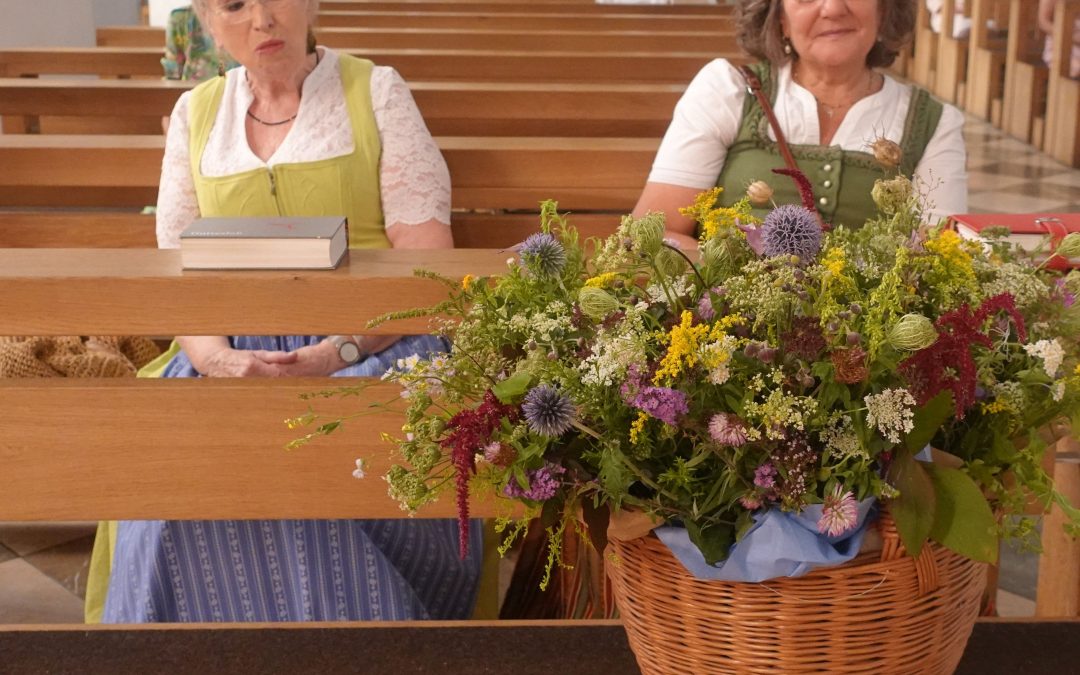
819, 64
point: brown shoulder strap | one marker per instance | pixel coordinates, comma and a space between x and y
754, 87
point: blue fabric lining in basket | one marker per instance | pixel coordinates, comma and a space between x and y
779, 544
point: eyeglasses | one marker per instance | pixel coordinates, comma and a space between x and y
239, 11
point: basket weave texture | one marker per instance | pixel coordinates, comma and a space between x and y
883, 612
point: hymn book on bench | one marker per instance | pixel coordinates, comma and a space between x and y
264, 243
1030, 231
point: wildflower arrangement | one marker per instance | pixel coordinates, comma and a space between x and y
780, 366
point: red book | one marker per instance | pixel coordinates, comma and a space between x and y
1029, 230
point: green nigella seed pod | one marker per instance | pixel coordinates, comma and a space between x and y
669, 263
912, 333
596, 303
892, 195
1069, 247
648, 233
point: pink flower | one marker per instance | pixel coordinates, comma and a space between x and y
727, 429
839, 513
750, 502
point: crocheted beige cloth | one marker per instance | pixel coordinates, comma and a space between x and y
73, 356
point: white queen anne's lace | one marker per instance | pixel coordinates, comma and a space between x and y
891, 412
415, 183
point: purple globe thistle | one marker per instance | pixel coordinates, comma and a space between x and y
543, 254
547, 412
792, 230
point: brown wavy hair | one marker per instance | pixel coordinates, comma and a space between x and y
757, 29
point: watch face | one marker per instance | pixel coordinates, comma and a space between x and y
349, 352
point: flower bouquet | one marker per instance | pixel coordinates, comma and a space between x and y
783, 380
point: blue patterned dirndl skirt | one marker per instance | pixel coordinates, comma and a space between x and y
294, 570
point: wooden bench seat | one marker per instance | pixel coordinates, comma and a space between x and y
599, 174
445, 38
413, 64
449, 108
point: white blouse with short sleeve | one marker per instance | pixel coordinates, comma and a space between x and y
414, 179
707, 117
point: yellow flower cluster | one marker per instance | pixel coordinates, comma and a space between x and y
683, 342
996, 407
949, 247
714, 219
467, 281
637, 427
601, 280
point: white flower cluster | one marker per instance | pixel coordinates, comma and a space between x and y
840, 439
1050, 351
679, 288
891, 412
716, 356
615, 351
553, 324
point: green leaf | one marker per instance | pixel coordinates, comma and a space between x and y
714, 540
928, 419
512, 387
914, 509
963, 521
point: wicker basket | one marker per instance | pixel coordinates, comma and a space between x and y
883, 612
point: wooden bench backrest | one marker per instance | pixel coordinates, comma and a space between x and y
522, 7
525, 21
90, 229
418, 65
485, 39
603, 174
118, 449
449, 108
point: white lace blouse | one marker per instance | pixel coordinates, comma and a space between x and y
415, 183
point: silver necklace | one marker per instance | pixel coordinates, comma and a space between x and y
831, 110
278, 124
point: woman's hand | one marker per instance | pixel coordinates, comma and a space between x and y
213, 356
322, 360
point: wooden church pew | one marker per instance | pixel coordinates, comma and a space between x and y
483, 39
449, 108
112, 229
599, 174
426, 65
526, 21
1062, 140
518, 7
951, 63
924, 55
985, 78
1024, 107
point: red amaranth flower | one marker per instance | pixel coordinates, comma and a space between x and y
470, 432
948, 363
806, 191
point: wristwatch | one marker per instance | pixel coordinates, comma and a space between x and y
348, 351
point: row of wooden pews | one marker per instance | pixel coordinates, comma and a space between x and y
998, 74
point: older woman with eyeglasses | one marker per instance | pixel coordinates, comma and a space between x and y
819, 68
296, 130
